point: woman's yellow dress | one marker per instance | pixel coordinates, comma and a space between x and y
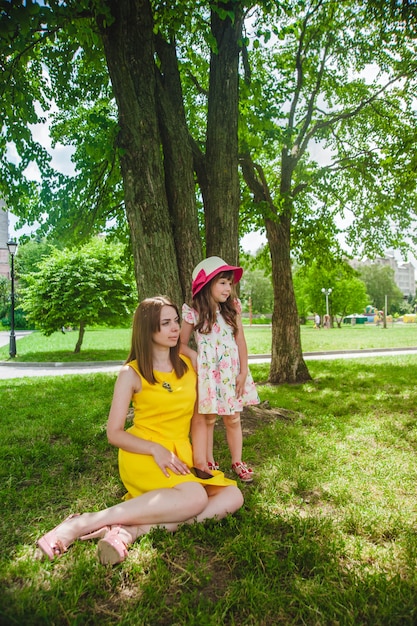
162, 413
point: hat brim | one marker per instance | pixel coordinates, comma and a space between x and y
202, 278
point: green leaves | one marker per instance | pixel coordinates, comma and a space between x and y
329, 106
78, 287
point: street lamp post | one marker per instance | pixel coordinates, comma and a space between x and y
12, 245
327, 293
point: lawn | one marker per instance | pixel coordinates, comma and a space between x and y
113, 344
327, 535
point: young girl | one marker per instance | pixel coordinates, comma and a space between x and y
225, 384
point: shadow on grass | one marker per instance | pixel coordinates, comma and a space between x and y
317, 542
247, 569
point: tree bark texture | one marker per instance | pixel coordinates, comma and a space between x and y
178, 165
222, 193
129, 48
287, 363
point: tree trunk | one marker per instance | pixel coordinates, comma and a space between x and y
287, 363
129, 47
178, 164
222, 193
81, 332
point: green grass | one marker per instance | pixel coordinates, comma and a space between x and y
327, 535
113, 344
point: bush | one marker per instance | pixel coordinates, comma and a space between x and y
20, 321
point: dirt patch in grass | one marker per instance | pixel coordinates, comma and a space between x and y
255, 417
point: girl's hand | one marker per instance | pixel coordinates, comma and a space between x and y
240, 384
167, 460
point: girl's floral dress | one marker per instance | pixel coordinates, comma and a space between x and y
217, 368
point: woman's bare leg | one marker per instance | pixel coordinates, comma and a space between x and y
175, 505
222, 501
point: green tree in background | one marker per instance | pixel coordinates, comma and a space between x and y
4, 296
258, 288
30, 255
348, 293
79, 287
379, 281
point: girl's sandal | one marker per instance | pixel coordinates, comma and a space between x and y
112, 549
244, 473
212, 467
50, 545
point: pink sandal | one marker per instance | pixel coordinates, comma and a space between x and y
112, 549
95, 534
244, 473
50, 545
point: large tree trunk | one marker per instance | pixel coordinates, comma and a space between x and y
287, 363
222, 193
178, 164
129, 47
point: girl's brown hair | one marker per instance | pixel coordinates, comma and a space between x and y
207, 308
146, 322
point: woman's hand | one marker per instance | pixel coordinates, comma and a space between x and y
167, 460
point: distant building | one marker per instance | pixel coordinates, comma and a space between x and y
404, 273
4, 238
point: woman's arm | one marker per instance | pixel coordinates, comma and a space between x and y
127, 384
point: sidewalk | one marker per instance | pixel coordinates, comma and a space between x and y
11, 369
5, 336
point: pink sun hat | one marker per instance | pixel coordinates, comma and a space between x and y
209, 268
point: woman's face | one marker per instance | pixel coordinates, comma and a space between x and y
168, 334
221, 289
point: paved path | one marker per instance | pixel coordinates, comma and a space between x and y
10, 369
5, 336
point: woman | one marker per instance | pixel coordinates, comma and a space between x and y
155, 454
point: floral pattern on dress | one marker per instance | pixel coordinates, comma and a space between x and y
217, 367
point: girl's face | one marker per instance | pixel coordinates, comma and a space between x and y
168, 334
221, 289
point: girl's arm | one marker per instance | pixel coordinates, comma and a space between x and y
185, 334
243, 358
127, 384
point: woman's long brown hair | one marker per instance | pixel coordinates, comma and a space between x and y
207, 308
146, 322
